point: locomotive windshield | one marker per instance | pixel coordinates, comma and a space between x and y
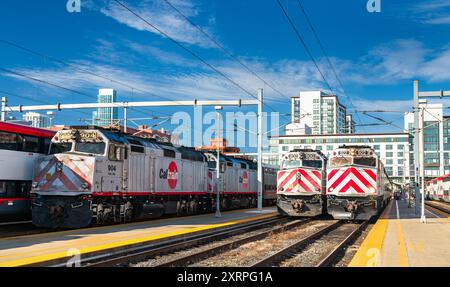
312, 163
90, 147
340, 161
291, 164
365, 161
60, 147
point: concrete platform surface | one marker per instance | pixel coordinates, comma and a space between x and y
399, 239
31, 249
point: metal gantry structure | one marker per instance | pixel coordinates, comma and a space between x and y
5, 109
419, 140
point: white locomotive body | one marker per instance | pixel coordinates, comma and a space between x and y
97, 175
301, 183
358, 186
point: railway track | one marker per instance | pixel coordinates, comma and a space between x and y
330, 240
142, 252
336, 235
443, 207
203, 254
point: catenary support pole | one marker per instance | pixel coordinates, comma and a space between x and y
423, 219
259, 151
3, 111
416, 143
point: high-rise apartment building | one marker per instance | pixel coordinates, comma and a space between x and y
106, 116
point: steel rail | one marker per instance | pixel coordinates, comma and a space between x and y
330, 257
148, 250
203, 254
279, 255
438, 207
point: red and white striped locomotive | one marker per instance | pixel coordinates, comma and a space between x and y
101, 176
301, 183
439, 188
358, 186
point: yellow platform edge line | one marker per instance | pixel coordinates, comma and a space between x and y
401, 248
68, 253
369, 253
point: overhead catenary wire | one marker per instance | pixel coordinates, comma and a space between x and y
305, 46
228, 53
192, 53
77, 68
316, 36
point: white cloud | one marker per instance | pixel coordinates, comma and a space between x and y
434, 12
163, 17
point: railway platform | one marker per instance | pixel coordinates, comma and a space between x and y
399, 239
35, 250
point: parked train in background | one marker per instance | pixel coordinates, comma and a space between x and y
100, 176
19, 146
438, 188
301, 183
358, 186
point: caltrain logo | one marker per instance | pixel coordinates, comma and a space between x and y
171, 174
245, 180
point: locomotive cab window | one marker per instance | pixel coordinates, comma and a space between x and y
60, 147
291, 164
340, 161
90, 147
365, 161
312, 163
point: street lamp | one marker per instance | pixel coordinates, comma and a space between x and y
218, 108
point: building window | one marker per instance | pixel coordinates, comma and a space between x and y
389, 154
376, 147
388, 147
329, 147
400, 161
400, 154
389, 161
285, 148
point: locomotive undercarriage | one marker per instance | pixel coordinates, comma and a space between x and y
301, 205
82, 211
354, 208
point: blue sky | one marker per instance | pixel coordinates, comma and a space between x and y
376, 55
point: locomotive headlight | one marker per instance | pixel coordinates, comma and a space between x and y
85, 185
35, 184
331, 189
372, 189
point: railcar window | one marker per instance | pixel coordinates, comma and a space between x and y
60, 148
312, 163
89, 147
9, 141
340, 161
446, 179
14, 189
46, 145
31, 144
366, 161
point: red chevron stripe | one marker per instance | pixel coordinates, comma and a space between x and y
350, 184
309, 178
332, 173
340, 179
304, 186
286, 180
361, 178
371, 174
318, 174
280, 174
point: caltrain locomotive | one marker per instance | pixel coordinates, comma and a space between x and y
100, 176
358, 186
439, 188
301, 183
19, 147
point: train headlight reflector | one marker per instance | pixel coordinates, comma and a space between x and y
331, 189
372, 189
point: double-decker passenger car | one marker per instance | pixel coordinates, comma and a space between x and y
19, 147
301, 183
358, 186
